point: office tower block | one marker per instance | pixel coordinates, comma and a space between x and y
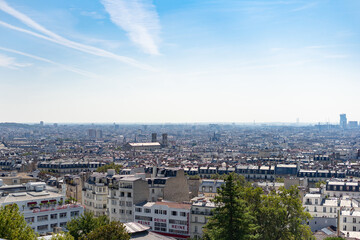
343, 121
154, 137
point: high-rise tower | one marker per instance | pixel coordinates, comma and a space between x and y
343, 121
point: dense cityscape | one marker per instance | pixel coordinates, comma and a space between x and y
179, 119
161, 179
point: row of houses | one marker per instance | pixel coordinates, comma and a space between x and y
269, 172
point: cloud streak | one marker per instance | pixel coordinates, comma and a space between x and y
65, 67
53, 37
9, 62
139, 19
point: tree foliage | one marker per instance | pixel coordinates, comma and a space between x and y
84, 224
232, 219
13, 224
61, 236
319, 183
245, 212
112, 231
112, 165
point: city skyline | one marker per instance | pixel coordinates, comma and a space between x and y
179, 61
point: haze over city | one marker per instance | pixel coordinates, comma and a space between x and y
179, 61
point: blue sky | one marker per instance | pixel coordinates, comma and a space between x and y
179, 60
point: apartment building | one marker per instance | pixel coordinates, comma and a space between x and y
124, 193
201, 210
169, 184
43, 210
209, 187
95, 194
69, 167
340, 187
166, 218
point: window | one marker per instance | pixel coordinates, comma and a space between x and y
53, 216
354, 228
196, 229
129, 194
63, 224
179, 222
183, 214
147, 210
157, 224
30, 219
324, 209
344, 219
122, 194
344, 228
75, 214
164, 212
354, 220
42, 218
42, 227
153, 190
53, 225
63, 215
137, 209
173, 213
143, 218
196, 219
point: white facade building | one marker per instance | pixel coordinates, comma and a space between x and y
95, 194
166, 218
201, 210
123, 194
43, 210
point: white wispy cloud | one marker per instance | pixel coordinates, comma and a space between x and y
139, 19
304, 7
10, 62
92, 14
65, 67
53, 37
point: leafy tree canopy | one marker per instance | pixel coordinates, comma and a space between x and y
112, 165
245, 212
112, 231
13, 225
84, 224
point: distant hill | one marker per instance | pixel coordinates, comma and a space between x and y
15, 125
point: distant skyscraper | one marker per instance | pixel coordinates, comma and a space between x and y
99, 134
92, 133
164, 139
153, 137
343, 121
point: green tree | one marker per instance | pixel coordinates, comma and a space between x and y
334, 238
112, 165
231, 219
84, 224
112, 231
319, 183
282, 216
13, 225
61, 236
278, 215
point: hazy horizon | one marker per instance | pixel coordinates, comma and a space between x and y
180, 61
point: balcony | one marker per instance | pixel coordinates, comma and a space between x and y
202, 213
